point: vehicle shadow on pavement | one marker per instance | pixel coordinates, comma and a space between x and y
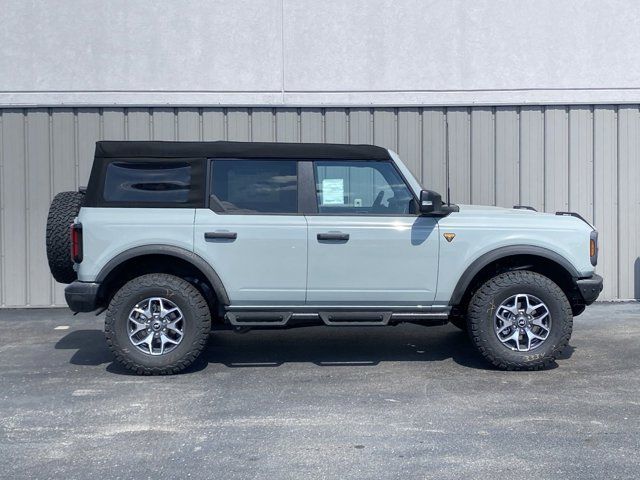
322, 346
343, 346
91, 350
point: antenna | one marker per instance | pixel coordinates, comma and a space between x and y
446, 155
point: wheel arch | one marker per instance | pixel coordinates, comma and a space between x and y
118, 263
516, 257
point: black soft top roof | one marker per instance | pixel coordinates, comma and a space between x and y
146, 149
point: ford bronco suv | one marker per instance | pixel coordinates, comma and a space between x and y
175, 239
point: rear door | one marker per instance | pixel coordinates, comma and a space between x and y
252, 234
367, 245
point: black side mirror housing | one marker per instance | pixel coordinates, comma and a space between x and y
431, 204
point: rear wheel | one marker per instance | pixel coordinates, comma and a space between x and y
157, 324
520, 320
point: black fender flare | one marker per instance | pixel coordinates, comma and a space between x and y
503, 252
194, 259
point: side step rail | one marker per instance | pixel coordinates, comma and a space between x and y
355, 318
272, 318
258, 319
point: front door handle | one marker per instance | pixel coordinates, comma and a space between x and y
338, 236
220, 235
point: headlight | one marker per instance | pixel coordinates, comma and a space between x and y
593, 248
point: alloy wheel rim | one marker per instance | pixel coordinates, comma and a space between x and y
155, 326
522, 322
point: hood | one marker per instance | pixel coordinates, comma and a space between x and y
480, 209
526, 215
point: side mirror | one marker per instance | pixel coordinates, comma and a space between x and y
430, 202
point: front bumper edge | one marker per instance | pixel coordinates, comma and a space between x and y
590, 288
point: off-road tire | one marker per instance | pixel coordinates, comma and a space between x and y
64, 208
197, 324
488, 297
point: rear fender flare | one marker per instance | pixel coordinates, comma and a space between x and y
172, 251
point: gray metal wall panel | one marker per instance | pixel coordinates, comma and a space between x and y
287, 125
2, 222
38, 192
238, 126
65, 168
188, 124
360, 125
213, 124
262, 125
556, 159
385, 128
409, 128
311, 125
113, 124
582, 158
629, 202
434, 156
14, 218
581, 161
507, 157
459, 154
605, 143
138, 123
483, 156
164, 124
532, 157
336, 126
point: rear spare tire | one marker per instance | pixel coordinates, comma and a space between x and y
64, 208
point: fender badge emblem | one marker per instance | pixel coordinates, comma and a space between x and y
449, 236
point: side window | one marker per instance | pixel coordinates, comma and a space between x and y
154, 182
255, 186
361, 188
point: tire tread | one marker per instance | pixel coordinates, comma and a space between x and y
482, 301
200, 310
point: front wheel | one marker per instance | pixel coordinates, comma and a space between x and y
157, 324
520, 320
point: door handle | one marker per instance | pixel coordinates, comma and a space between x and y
339, 236
220, 235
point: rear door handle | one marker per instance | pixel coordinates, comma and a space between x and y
334, 236
222, 235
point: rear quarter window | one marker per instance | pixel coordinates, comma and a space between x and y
148, 182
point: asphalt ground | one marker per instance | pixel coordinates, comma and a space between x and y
319, 402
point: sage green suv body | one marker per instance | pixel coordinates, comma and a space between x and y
266, 235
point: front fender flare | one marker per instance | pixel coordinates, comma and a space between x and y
503, 252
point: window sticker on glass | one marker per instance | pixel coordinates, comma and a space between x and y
333, 191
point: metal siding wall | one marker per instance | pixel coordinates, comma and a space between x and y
579, 158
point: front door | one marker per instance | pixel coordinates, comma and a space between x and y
367, 245
252, 234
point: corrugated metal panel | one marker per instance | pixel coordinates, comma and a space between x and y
434, 156
582, 158
532, 183
459, 138
605, 194
483, 157
629, 202
507, 157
